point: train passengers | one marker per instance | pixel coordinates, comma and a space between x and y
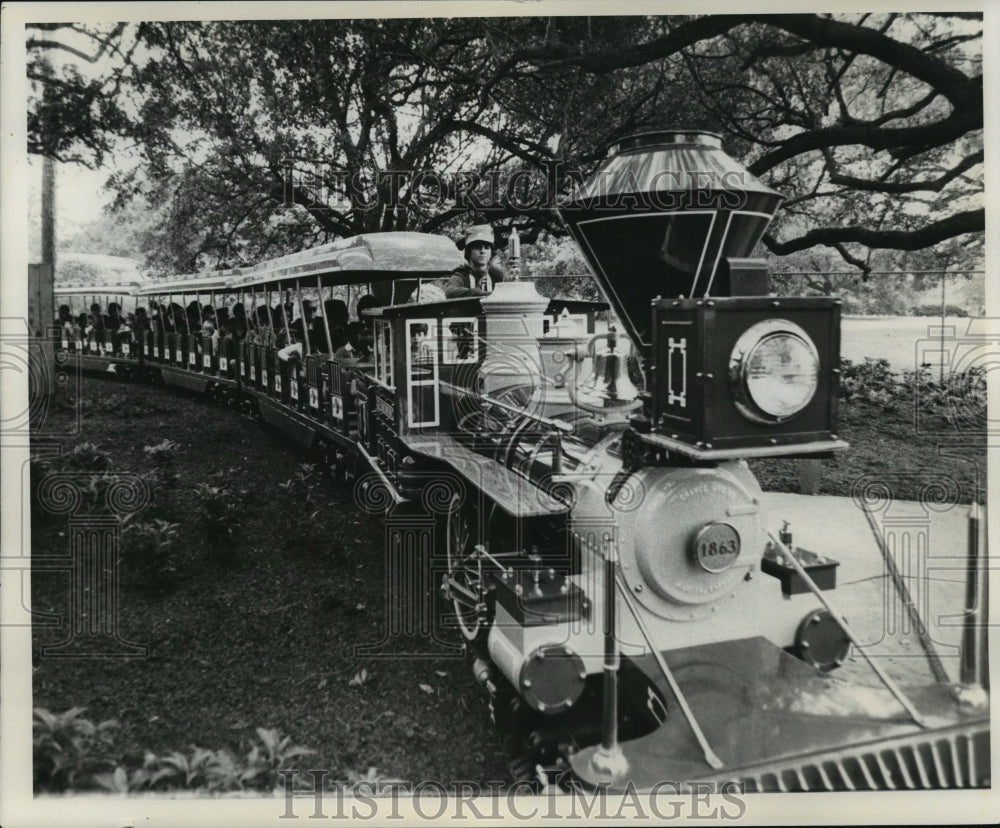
223, 323
261, 333
114, 316
308, 311
337, 315
360, 341
238, 325
343, 348
282, 332
65, 321
420, 348
76, 333
300, 324
479, 274
141, 323
192, 320
176, 318
97, 320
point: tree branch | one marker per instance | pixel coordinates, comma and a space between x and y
970, 221
897, 187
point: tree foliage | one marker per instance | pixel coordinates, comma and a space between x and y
74, 113
258, 137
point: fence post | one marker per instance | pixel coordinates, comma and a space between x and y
809, 475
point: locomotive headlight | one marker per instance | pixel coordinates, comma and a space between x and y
774, 371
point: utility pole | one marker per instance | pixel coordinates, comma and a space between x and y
41, 287
48, 212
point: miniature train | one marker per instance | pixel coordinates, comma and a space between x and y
607, 559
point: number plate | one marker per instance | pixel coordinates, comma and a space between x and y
313, 398
223, 364
206, 361
156, 352
263, 377
716, 547
179, 357
337, 407
65, 344
253, 372
191, 358
277, 384
125, 349
295, 390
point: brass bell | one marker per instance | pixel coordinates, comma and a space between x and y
608, 386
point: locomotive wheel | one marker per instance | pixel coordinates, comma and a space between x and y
465, 585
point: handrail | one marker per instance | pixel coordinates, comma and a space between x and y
710, 755
890, 685
486, 400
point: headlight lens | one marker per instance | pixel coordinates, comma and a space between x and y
775, 369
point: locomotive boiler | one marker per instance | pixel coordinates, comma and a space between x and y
598, 539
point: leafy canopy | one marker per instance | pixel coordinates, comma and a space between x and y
257, 137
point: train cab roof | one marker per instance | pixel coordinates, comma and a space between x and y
371, 257
193, 284
108, 289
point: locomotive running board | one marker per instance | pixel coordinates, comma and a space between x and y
510, 491
182, 378
293, 425
779, 724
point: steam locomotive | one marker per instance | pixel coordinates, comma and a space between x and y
605, 553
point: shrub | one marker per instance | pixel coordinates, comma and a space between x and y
960, 397
871, 381
86, 457
213, 770
935, 310
273, 753
69, 749
89, 461
310, 534
303, 487
161, 459
149, 551
217, 507
72, 753
162, 475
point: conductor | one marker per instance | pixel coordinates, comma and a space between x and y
476, 277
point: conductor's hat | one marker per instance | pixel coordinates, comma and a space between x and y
479, 233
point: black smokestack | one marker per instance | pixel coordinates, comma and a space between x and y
660, 217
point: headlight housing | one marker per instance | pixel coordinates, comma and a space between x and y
774, 371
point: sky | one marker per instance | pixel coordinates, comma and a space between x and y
80, 195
